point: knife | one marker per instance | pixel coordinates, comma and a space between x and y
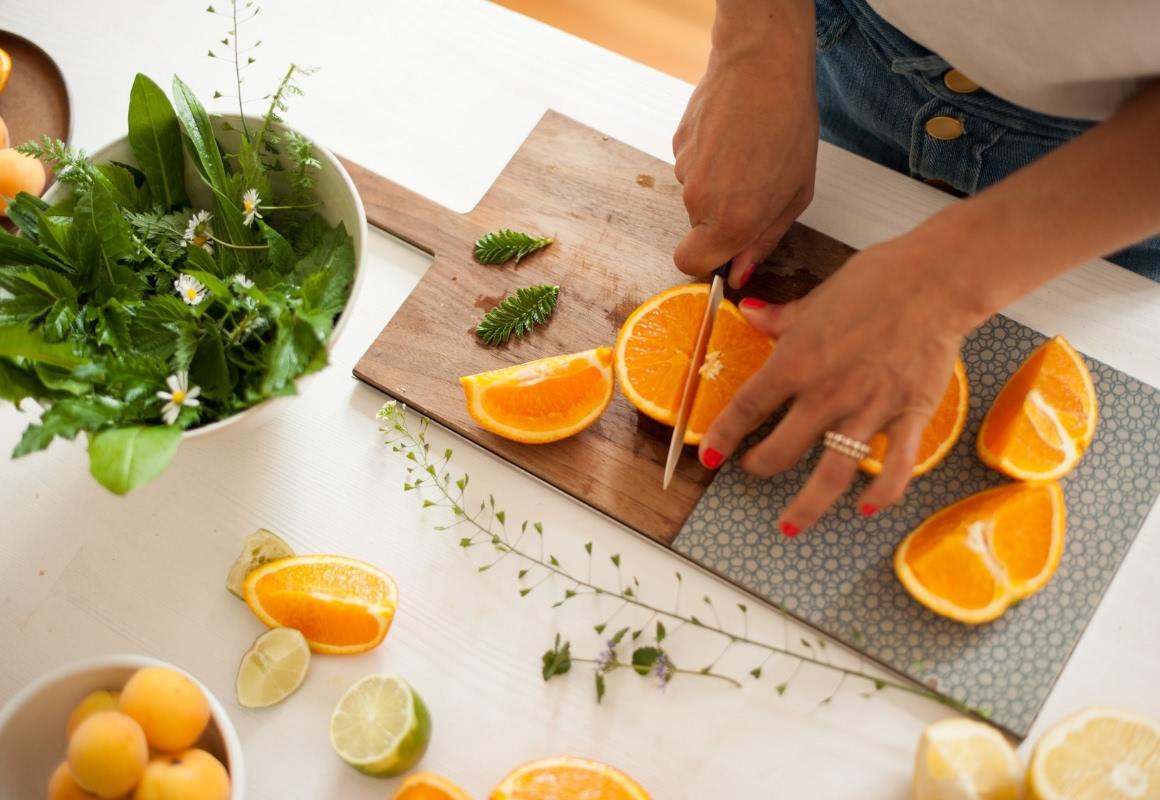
689, 392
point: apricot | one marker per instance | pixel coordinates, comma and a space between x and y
19, 173
91, 704
192, 775
171, 709
61, 786
107, 754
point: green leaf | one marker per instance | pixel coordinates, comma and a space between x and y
599, 687
103, 240
24, 211
503, 245
643, 659
66, 418
16, 250
122, 187
278, 249
558, 660
55, 236
18, 341
517, 314
780, 688
209, 369
18, 383
294, 348
199, 136
756, 672
618, 636
155, 137
660, 632
121, 459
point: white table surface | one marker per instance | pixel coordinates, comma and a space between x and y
437, 95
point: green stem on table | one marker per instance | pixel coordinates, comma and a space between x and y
612, 666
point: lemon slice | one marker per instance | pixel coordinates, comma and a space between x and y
960, 759
258, 548
1097, 754
380, 726
273, 668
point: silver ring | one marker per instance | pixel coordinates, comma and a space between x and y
846, 445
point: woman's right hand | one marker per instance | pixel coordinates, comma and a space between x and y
747, 145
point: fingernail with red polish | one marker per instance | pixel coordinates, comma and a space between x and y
753, 304
867, 509
789, 529
712, 458
746, 275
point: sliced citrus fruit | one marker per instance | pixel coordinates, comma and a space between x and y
260, 547
566, 777
960, 759
273, 668
342, 606
5, 69
544, 400
1044, 416
656, 344
381, 726
1097, 754
974, 558
939, 435
429, 786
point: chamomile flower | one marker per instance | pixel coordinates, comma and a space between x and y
191, 290
180, 395
250, 204
199, 233
243, 281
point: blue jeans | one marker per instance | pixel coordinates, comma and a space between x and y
877, 89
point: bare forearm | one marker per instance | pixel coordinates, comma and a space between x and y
779, 31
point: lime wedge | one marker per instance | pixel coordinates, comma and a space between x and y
257, 548
380, 726
273, 668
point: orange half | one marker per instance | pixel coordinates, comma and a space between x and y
342, 606
1043, 418
429, 786
567, 778
973, 559
655, 348
544, 400
940, 434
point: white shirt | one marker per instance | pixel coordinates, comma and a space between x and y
1069, 58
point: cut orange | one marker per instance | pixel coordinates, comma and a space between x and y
1043, 418
656, 345
429, 786
939, 435
5, 68
973, 559
566, 778
542, 401
342, 606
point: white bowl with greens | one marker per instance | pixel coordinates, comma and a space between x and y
181, 282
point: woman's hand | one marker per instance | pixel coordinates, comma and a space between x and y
870, 350
746, 148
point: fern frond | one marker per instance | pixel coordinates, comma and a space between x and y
518, 313
503, 245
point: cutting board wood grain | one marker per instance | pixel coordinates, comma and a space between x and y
616, 215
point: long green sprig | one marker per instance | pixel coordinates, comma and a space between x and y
486, 526
518, 314
501, 246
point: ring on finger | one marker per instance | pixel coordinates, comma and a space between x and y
846, 445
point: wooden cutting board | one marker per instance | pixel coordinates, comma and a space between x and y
616, 215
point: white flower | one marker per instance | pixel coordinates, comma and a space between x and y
243, 281
180, 394
191, 290
199, 232
250, 204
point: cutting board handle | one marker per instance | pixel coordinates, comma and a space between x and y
406, 214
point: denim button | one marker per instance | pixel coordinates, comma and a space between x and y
946, 128
959, 83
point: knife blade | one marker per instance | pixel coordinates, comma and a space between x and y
693, 377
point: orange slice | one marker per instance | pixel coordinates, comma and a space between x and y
941, 433
973, 559
342, 606
429, 786
656, 345
566, 778
542, 401
5, 69
1043, 418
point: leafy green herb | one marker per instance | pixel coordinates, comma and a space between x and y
503, 245
70, 164
517, 314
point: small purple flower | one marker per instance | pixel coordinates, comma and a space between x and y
607, 658
664, 670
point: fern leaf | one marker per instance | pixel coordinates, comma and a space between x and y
517, 314
503, 245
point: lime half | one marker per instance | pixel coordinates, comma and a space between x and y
380, 726
258, 548
273, 668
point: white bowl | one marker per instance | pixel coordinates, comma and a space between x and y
341, 202
32, 738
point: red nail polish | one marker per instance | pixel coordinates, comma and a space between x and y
789, 529
712, 458
753, 304
867, 509
746, 275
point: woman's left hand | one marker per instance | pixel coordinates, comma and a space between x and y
871, 349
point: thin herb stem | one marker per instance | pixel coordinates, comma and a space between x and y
238, 69
612, 666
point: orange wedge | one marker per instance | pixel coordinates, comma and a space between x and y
542, 401
342, 606
1043, 418
973, 559
5, 69
429, 786
656, 345
941, 433
566, 778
